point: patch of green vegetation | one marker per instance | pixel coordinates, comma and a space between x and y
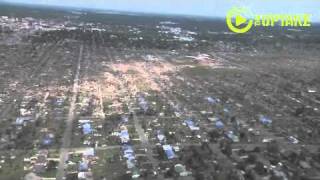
205, 71
131, 130
183, 62
11, 173
131, 71
115, 117
50, 173
72, 167
143, 86
12, 168
199, 71
106, 105
125, 108
75, 158
108, 164
54, 153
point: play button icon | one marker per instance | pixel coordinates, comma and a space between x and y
237, 21
240, 20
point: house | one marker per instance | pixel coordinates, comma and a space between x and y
85, 175
86, 128
212, 100
39, 168
191, 125
213, 119
168, 151
124, 135
32, 176
143, 103
135, 173
43, 153
128, 152
181, 170
22, 120
26, 112
83, 166
265, 120
89, 152
233, 137
130, 164
219, 124
82, 121
59, 101
124, 118
40, 165
47, 139
160, 136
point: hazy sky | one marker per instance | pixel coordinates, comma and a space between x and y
192, 7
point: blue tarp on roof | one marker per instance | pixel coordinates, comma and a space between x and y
128, 152
47, 141
219, 124
232, 136
86, 128
143, 103
212, 100
126, 147
21, 120
265, 120
59, 101
129, 156
124, 134
83, 166
191, 124
124, 118
169, 151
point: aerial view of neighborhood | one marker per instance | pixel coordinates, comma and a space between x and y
104, 95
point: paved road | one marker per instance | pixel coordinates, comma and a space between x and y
66, 140
145, 142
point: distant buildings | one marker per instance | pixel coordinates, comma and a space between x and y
168, 28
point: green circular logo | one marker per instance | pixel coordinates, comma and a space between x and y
238, 14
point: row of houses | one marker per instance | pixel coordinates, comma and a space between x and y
127, 149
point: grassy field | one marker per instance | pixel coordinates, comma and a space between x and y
109, 164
